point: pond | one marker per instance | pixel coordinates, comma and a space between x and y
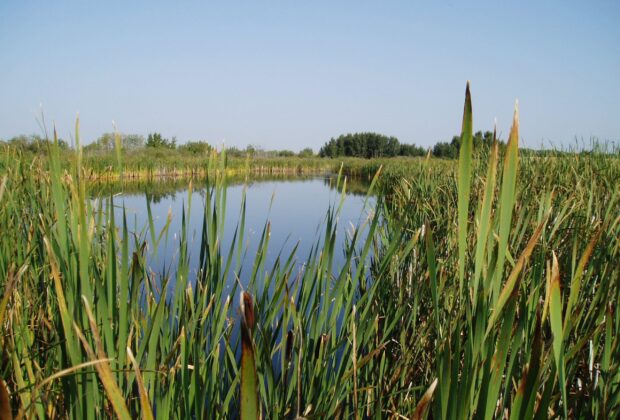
295, 209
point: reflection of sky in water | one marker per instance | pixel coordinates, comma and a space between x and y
297, 214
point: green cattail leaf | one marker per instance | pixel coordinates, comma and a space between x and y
103, 369
507, 199
575, 286
464, 183
484, 215
514, 277
527, 391
249, 404
555, 314
432, 270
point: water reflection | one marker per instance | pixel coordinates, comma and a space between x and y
295, 208
163, 188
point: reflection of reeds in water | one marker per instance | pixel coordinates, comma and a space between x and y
198, 167
162, 187
483, 288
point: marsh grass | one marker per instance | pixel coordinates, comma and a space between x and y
480, 290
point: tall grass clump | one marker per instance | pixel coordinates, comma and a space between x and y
89, 330
484, 289
533, 332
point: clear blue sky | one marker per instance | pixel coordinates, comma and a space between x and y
293, 74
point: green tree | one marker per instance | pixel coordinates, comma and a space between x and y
306, 153
155, 140
132, 141
34, 143
106, 141
411, 150
445, 150
196, 147
368, 145
451, 150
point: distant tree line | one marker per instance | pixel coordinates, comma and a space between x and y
373, 145
368, 145
106, 143
255, 151
365, 145
32, 143
155, 141
158, 142
451, 149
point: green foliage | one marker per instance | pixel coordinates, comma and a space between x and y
411, 150
196, 148
156, 141
480, 141
132, 141
89, 330
509, 346
446, 150
286, 153
368, 145
34, 144
372, 145
106, 142
306, 153
464, 183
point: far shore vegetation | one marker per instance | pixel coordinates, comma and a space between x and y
358, 154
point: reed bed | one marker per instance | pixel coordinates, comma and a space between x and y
485, 288
151, 164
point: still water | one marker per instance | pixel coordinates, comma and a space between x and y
295, 208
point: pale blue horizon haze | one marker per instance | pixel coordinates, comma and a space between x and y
289, 75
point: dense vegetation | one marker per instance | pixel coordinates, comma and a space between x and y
159, 156
373, 145
486, 287
451, 150
368, 145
